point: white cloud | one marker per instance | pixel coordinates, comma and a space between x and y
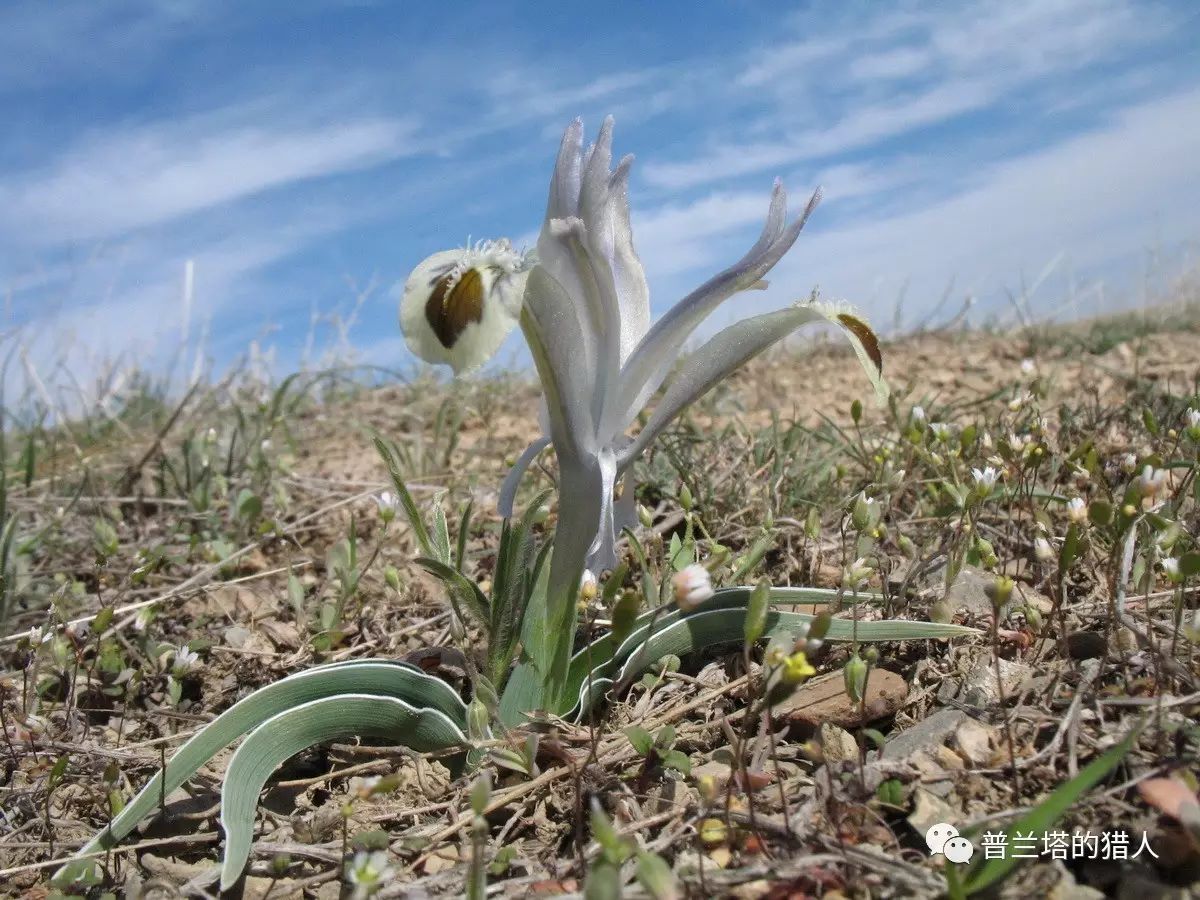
964, 62
1094, 197
888, 65
681, 237
121, 181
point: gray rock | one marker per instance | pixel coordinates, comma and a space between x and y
929, 732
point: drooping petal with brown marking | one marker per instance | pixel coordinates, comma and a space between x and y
458, 306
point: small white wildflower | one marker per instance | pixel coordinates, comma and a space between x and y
265, 445
1042, 549
985, 477
185, 660
1019, 401
1151, 484
388, 503
144, 617
39, 636
1019, 442
918, 414
1129, 463
857, 574
692, 586
1027, 366
941, 430
368, 872
1170, 566
1077, 510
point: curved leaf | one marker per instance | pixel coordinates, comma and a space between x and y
386, 679
600, 652
678, 634
293, 730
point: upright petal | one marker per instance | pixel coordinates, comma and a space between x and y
604, 208
564, 183
554, 334
656, 353
632, 291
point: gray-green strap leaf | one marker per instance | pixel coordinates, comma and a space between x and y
293, 730
357, 676
706, 627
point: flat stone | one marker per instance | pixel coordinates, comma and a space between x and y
973, 741
837, 745
930, 732
237, 637
980, 688
930, 810
824, 700
967, 593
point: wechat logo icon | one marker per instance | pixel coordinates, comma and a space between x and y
943, 838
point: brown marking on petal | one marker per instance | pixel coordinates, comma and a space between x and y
449, 312
866, 337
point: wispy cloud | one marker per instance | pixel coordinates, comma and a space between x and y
151, 174
285, 151
946, 64
1097, 198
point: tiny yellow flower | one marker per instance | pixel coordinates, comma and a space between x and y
796, 669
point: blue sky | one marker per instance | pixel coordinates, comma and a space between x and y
306, 155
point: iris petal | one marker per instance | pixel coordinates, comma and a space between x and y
654, 356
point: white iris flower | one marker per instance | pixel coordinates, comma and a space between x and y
458, 305
586, 317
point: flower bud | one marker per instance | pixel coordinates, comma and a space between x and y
481, 793
999, 591
685, 498
756, 612
588, 587
392, 576
1170, 567
1077, 510
477, 721
854, 675
860, 513
692, 586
